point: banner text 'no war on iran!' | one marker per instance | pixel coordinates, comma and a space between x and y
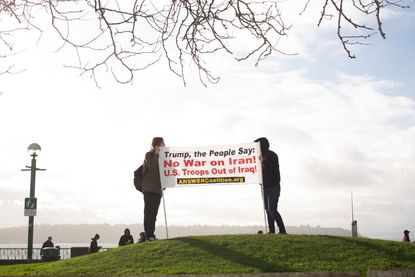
222, 164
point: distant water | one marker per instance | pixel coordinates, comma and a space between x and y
62, 245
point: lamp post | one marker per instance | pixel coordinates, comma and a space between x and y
354, 222
30, 203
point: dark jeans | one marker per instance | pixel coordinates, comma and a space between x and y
271, 196
151, 208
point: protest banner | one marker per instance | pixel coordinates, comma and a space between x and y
210, 165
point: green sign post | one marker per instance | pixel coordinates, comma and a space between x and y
30, 206
30, 203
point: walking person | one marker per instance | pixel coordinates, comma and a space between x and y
93, 247
152, 189
271, 186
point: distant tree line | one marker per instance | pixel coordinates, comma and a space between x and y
82, 233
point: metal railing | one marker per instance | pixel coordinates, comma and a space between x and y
18, 254
7, 254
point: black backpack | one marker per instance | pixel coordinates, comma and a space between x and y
138, 178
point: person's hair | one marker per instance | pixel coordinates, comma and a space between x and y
156, 142
264, 144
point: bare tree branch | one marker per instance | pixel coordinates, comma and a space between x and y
123, 37
346, 11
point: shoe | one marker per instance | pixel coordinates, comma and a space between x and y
282, 233
151, 238
271, 233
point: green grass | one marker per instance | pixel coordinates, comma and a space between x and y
232, 254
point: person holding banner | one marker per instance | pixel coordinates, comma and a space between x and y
152, 189
271, 186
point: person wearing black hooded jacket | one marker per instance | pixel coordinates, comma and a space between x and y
271, 184
126, 239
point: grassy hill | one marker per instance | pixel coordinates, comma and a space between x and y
232, 254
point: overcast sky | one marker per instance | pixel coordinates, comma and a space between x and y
338, 125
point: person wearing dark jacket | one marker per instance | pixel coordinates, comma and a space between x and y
406, 236
47, 243
93, 248
152, 190
127, 238
271, 186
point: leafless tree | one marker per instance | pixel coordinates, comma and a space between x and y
130, 35
343, 12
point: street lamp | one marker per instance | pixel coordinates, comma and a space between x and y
31, 203
34, 149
